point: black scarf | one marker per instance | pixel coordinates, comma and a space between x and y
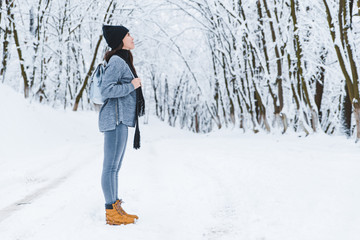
140, 102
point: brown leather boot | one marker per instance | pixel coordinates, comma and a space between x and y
120, 209
115, 217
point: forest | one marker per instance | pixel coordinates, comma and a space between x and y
258, 65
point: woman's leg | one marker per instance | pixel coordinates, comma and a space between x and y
123, 136
109, 165
114, 148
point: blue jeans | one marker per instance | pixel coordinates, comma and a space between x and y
114, 149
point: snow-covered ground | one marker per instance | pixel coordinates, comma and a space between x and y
223, 185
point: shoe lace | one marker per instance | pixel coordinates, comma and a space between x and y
119, 209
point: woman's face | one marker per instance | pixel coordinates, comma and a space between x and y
128, 42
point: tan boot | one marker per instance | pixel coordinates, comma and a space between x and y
115, 217
120, 209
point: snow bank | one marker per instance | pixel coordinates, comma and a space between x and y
223, 185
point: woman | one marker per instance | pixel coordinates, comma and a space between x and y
123, 104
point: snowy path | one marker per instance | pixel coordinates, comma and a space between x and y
183, 190
224, 185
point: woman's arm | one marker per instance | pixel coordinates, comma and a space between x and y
109, 87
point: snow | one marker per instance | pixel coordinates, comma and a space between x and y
222, 185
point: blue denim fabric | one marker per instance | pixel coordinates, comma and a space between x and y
118, 95
114, 149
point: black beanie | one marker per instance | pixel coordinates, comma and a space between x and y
114, 35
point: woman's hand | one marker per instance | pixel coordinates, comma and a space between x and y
136, 82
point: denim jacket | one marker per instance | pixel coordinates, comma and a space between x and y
118, 95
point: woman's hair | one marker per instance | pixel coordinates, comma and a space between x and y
110, 53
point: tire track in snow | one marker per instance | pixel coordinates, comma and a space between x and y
28, 199
7, 211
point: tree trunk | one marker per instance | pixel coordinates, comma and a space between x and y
19, 51
6, 41
346, 113
351, 80
319, 89
300, 72
278, 99
357, 119
91, 68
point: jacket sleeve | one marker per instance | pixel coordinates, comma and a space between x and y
110, 88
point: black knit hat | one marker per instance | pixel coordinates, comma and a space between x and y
114, 35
